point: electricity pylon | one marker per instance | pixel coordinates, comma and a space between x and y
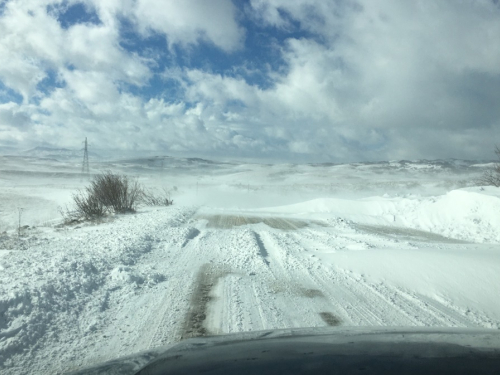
85, 165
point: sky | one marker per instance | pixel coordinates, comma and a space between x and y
288, 80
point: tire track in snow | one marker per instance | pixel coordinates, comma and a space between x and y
348, 297
272, 282
168, 322
240, 301
256, 294
358, 303
262, 249
292, 304
194, 322
335, 300
160, 313
301, 304
417, 309
447, 315
364, 305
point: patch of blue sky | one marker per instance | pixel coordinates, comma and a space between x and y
47, 86
50, 82
152, 47
8, 95
258, 62
2, 6
294, 29
260, 56
68, 15
170, 90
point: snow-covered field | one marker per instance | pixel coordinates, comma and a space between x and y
244, 247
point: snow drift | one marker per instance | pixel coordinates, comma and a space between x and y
467, 214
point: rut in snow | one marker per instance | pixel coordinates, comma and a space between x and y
207, 278
262, 249
231, 221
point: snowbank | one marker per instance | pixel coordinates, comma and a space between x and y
56, 293
453, 276
467, 214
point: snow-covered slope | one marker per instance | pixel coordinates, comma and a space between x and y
471, 214
245, 247
53, 153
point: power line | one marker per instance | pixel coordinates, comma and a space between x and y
85, 165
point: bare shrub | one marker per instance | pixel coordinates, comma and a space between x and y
107, 193
152, 198
117, 193
112, 193
492, 177
87, 205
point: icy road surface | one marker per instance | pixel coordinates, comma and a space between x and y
93, 293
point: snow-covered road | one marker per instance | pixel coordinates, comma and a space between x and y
93, 293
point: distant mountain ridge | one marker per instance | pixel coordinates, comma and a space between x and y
154, 161
413, 164
55, 153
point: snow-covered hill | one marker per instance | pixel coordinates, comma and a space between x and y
245, 247
52, 153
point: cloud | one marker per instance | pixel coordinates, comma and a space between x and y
96, 48
91, 68
189, 21
395, 68
409, 56
33, 42
13, 115
29, 37
349, 80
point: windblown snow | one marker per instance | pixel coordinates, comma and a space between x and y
244, 247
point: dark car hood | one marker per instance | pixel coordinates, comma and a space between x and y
408, 350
